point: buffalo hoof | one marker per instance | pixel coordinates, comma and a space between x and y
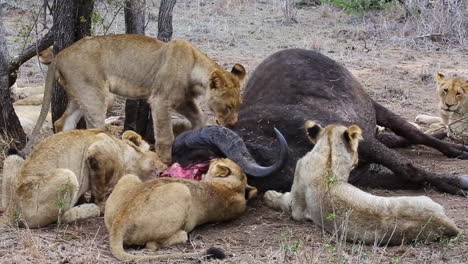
464, 182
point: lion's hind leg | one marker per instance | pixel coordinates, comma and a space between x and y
177, 238
11, 167
54, 195
70, 117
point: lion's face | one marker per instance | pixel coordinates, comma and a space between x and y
453, 93
228, 172
224, 98
140, 160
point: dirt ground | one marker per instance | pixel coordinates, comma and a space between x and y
389, 58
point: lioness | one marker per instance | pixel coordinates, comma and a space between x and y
321, 193
171, 75
64, 166
453, 106
161, 212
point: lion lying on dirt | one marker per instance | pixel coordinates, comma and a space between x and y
161, 212
171, 75
45, 187
321, 193
453, 106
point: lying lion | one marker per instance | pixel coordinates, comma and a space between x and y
161, 212
47, 185
453, 108
321, 193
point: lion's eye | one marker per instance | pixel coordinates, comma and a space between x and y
458, 93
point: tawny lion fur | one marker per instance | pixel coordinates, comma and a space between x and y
321, 193
171, 75
47, 185
453, 103
161, 212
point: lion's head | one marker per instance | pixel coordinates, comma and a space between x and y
453, 94
227, 172
339, 141
142, 162
224, 95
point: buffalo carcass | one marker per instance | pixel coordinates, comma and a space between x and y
295, 85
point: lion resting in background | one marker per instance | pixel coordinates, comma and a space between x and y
161, 212
321, 193
170, 75
45, 187
453, 106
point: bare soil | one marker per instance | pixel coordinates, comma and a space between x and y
396, 68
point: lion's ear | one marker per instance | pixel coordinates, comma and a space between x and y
239, 71
465, 86
440, 78
132, 137
313, 130
221, 171
353, 134
216, 80
250, 192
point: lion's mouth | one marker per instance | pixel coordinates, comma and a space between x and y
448, 110
155, 173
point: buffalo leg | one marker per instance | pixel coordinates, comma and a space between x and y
399, 126
373, 151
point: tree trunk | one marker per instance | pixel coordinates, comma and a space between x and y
165, 20
72, 22
9, 122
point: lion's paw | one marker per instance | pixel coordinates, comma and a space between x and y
82, 211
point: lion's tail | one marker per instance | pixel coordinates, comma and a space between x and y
45, 107
116, 236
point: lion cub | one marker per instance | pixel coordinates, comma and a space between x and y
453, 106
321, 193
161, 212
46, 186
170, 75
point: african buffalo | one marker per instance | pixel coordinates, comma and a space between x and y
295, 85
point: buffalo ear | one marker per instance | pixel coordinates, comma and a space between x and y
239, 71
353, 134
313, 130
221, 171
440, 78
216, 80
250, 192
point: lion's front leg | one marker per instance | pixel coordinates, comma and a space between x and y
278, 201
163, 134
11, 167
192, 112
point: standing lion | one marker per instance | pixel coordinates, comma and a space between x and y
170, 75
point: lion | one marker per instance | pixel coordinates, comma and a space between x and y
453, 106
161, 212
45, 187
321, 193
170, 75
